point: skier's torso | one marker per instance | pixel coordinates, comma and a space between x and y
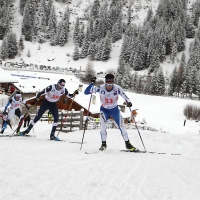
109, 99
54, 95
15, 104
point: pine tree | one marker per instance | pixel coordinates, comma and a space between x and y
160, 82
174, 52
12, 44
76, 31
107, 47
190, 28
120, 72
173, 82
95, 9
52, 25
89, 73
76, 53
21, 43
4, 49
22, 5
198, 84
81, 35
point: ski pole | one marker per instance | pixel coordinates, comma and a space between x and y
26, 115
137, 128
85, 125
66, 115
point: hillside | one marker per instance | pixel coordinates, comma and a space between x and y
62, 56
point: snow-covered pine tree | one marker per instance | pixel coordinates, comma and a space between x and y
160, 82
190, 28
12, 44
89, 73
76, 53
92, 50
95, 9
21, 6
4, 48
174, 52
76, 31
21, 43
52, 26
107, 47
120, 71
81, 35
173, 82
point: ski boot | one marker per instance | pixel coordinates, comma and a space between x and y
24, 132
2, 131
17, 131
130, 147
103, 146
53, 137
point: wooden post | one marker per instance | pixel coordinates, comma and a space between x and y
81, 119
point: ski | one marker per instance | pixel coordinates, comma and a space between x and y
16, 135
57, 140
94, 152
151, 152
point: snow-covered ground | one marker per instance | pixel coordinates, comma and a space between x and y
35, 168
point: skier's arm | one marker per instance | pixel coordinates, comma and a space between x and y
9, 102
123, 95
24, 102
45, 90
91, 89
68, 94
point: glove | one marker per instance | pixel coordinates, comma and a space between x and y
93, 80
75, 93
4, 113
129, 104
27, 107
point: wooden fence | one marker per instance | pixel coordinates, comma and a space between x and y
68, 120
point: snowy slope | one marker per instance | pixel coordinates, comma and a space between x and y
38, 169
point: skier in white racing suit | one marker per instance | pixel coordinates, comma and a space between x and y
109, 93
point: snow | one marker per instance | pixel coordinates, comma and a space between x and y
5, 77
36, 168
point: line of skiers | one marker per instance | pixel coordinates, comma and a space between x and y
108, 92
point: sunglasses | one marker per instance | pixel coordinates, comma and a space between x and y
109, 85
61, 85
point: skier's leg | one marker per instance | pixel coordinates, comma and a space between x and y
120, 122
54, 111
19, 114
103, 119
116, 115
4, 125
39, 114
11, 113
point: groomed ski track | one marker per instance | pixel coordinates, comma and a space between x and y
36, 168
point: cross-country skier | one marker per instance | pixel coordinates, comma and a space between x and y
15, 103
109, 93
52, 94
5, 121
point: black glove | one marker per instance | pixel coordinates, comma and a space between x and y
129, 104
93, 80
4, 113
75, 93
27, 107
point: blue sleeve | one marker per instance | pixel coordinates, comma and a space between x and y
9, 102
87, 90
